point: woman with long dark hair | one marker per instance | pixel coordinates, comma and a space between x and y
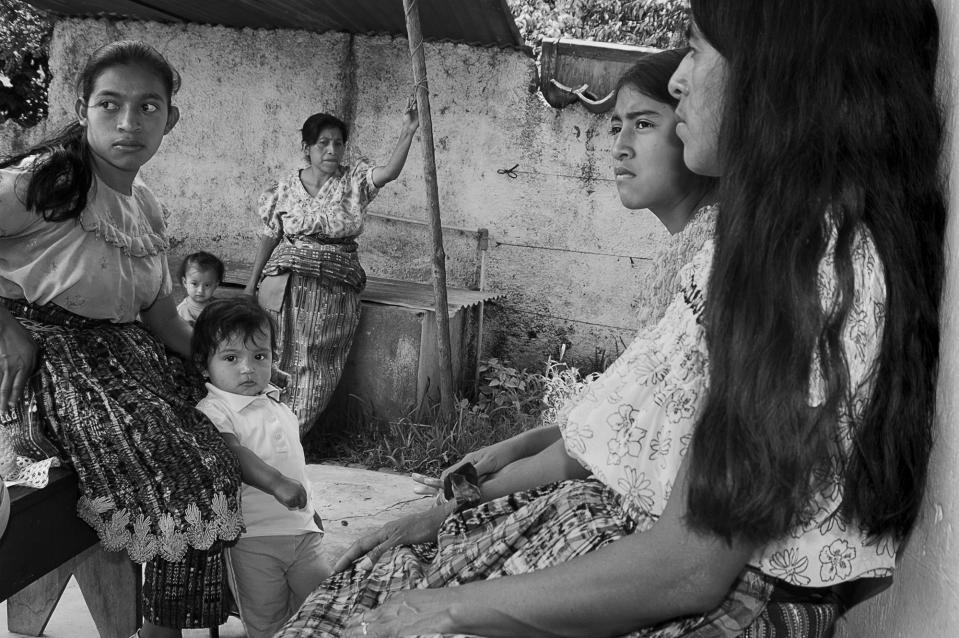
758, 457
94, 360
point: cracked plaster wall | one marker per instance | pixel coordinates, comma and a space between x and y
246, 93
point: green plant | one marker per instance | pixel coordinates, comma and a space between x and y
510, 402
24, 76
407, 445
563, 383
656, 23
504, 388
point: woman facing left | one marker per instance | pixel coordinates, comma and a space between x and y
83, 255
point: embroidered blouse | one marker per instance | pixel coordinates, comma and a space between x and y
109, 264
337, 210
633, 425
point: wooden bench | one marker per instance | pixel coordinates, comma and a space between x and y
45, 543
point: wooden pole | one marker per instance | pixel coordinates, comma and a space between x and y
418, 60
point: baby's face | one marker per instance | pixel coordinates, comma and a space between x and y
242, 365
200, 284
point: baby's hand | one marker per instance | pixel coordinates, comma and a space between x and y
291, 493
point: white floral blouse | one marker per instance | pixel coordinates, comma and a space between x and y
632, 426
337, 210
110, 264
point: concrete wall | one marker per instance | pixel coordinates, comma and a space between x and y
924, 600
246, 93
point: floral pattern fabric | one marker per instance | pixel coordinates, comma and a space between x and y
632, 427
336, 211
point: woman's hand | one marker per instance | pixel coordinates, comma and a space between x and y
487, 460
414, 528
445, 610
18, 358
406, 613
383, 175
411, 117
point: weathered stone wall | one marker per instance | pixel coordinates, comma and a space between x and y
246, 93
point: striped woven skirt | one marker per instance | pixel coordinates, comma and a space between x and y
529, 531
315, 330
156, 478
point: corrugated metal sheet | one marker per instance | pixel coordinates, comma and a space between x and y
419, 296
476, 22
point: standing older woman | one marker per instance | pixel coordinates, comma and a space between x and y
307, 257
762, 451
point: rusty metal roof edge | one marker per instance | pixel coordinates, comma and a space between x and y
418, 295
452, 308
105, 15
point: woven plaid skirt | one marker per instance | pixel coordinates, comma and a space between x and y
156, 478
315, 330
532, 530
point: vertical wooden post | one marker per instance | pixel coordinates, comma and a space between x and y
418, 60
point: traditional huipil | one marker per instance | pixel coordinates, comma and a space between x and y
313, 279
632, 427
156, 479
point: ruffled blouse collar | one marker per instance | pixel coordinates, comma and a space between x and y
133, 223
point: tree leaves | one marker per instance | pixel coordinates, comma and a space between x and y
24, 74
656, 23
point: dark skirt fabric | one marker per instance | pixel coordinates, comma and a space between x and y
529, 531
794, 620
316, 319
315, 330
156, 478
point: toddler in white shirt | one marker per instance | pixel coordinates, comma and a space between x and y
277, 562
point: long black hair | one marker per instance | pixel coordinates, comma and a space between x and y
650, 75
830, 127
63, 173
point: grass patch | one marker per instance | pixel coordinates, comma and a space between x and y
508, 402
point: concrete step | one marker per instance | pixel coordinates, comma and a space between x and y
351, 501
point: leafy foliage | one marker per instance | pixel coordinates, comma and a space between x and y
24, 75
505, 389
655, 23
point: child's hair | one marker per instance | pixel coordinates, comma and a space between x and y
203, 261
63, 174
224, 318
